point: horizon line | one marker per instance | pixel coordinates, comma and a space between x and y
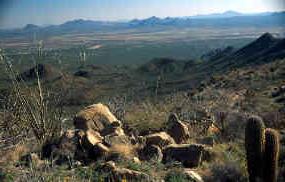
147, 17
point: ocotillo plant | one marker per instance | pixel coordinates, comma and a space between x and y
271, 153
254, 144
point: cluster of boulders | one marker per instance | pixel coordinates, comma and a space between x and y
99, 135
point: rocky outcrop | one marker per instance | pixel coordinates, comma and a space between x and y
151, 153
115, 128
112, 140
100, 136
89, 138
177, 129
91, 144
188, 154
122, 174
95, 117
160, 139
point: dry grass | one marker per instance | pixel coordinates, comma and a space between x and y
124, 150
13, 154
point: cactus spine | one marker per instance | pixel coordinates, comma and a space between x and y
254, 144
271, 154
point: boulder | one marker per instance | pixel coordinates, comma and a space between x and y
151, 153
100, 150
90, 146
95, 117
120, 147
89, 138
122, 152
177, 130
136, 160
180, 174
209, 154
130, 175
111, 140
115, 128
193, 176
121, 174
189, 155
160, 139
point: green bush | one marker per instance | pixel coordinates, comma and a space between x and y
177, 176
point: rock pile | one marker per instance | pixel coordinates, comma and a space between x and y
98, 134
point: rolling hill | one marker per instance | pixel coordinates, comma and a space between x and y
185, 75
263, 50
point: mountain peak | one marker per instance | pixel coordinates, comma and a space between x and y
153, 17
266, 37
263, 43
76, 21
232, 13
31, 27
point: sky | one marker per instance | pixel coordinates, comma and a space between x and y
18, 13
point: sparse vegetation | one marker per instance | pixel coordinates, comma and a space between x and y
31, 109
212, 100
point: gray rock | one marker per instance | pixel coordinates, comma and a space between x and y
193, 176
122, 174
95, 117
151, 153
177, 129
188, 154
160, 139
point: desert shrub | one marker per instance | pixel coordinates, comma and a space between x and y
117, 106
143, 166
30, 108
177, 176
5, 177
33, 111
99, 176
85, 173
226, 173
274, 119
234, 126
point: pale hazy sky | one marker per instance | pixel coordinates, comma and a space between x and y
17, 13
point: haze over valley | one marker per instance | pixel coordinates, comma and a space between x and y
115, 91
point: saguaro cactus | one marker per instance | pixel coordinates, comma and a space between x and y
254, 144
271, 154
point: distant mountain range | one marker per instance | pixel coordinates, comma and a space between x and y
229, 18
226, 19
229, 14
